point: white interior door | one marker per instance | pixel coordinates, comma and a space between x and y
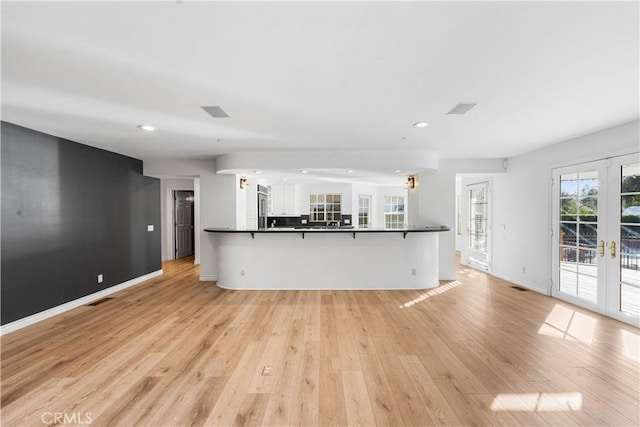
478, 241
596, 236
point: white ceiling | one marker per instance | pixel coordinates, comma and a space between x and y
319, 76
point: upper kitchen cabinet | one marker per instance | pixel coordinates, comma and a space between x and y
285, 199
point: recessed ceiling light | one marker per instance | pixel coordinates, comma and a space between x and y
285, 179
349, 171
397, 171
257, 172
147, 127
304, 171
421, 124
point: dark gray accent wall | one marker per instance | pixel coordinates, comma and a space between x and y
69, 213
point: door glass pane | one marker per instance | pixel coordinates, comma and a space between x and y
630, 204
569, 233
568, 209
569, 185
588, 235
630, 239
578, 239
588, 209
630, 178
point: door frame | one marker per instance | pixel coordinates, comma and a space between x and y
613, 234
608, 212
370, 222
173, 221
170, 220
602, 168
466, 217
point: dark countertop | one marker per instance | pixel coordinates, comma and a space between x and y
331, 230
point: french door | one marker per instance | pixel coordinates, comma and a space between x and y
478, 248
596, 236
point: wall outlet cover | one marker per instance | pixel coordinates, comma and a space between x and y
150, 227
100, 278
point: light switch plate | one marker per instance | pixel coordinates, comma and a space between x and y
303, 221
150, 227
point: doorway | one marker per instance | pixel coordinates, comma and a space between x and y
596, 236
183, 223
478, 227
364, 211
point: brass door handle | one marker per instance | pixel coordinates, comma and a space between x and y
612, 248
601, 248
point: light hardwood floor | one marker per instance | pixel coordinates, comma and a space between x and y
177, 352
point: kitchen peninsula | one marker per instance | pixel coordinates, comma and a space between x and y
326, 258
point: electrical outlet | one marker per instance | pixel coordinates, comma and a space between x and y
100, 278
242, 272
150, 227
413, 271
524, 270
266, 371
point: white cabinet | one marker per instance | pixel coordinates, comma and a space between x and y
285, 199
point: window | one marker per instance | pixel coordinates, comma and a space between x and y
325, 207
393, 212
364, 209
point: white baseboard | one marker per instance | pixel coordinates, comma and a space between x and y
205, 278
34, 318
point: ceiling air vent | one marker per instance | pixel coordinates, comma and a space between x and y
462, 107
215, 111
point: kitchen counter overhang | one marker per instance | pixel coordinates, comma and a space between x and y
326, 258
350, 230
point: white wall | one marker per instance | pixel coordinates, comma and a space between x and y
167, 187
436, 199
296, 160
327, 260
241, 204
251, 201
460, 239
522, 202
215, 195
197, 236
